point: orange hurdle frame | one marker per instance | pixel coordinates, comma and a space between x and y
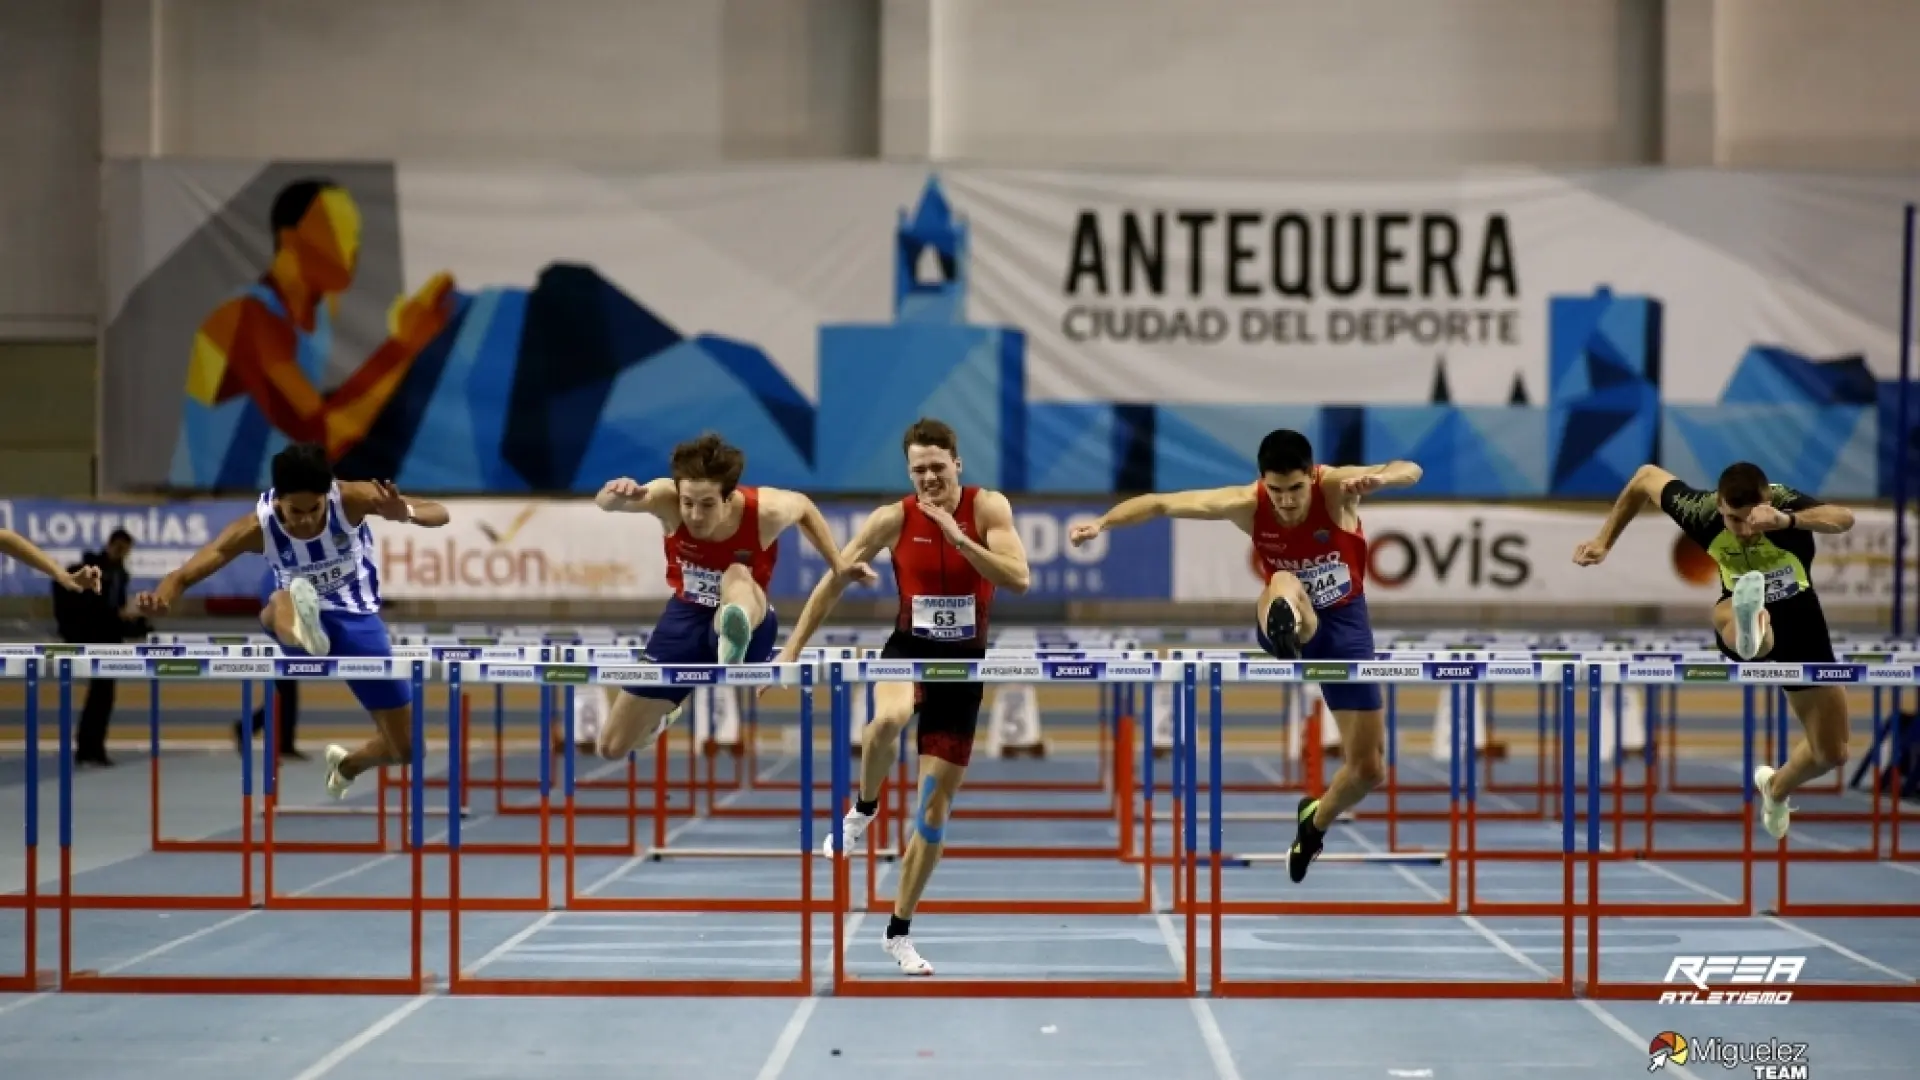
460, 981
29, 979
99, 982
1220, 907
847, 985
1597, 988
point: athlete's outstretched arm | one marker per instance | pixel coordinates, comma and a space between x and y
625, 495
241, 537
793, 508
880, 531
1356, 480
1210, 504
1796, 510
381, 498
1644, 489
1000, 557
19, 548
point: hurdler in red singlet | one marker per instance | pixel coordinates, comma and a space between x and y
1304, 520
1330, 562
942, 597
714, 529
953, 547
694, 566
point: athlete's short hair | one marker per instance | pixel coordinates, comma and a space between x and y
927, 431
1283, 452
709, 458
1743, 484
302, 469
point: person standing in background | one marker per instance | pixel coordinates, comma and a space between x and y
102, 618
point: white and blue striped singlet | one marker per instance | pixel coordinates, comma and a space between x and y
339, 562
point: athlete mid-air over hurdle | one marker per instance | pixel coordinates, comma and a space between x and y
1760, 537
320, 595
722, 541
1304, 520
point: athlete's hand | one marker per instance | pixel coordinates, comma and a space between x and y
948, 527
154, 603
625, 487
1084, 532
85, 579
1589, 553
859, 574
389, 503
1366, 483
1766, 518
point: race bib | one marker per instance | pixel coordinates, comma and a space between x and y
1326, 583
943, 618
700, 585
330, 577
1781, 583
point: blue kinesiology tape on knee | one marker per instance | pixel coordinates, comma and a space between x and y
932, 834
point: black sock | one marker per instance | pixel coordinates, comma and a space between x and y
866, 807
897, 927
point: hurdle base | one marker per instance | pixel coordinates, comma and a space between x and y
38, 982
467, 985
1393, 989
93, 982
1035, 752
854, 986
1794, 909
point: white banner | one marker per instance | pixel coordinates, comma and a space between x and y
1464, 554
513, 549
1522, 335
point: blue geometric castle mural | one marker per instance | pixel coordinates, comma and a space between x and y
567, 384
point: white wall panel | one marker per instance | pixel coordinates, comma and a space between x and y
499, 80
49, 180
1297, 84
1827, 84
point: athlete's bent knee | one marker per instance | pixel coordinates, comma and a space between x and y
737, 574
1829, 751
887, 725
1369, 769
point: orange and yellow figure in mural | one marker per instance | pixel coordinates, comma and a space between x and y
260, 359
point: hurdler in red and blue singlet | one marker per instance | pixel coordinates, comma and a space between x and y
685, 633
1331, 564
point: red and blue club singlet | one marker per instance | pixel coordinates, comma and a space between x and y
694, 565
1330, 562
942, 597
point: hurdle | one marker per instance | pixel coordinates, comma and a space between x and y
843, 676
1219, 907
801, 675
243, 670
753, 781
1749, 673
895, 809
30, 978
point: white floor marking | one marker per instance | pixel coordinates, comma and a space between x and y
1210, 1034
